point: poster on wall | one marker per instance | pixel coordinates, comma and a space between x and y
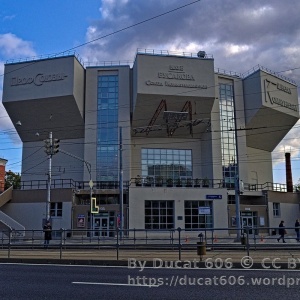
81, 221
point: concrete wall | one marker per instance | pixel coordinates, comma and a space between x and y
178, 195
35, 163
289, 209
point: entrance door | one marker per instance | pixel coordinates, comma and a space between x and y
247, 222
104, 226
101, 226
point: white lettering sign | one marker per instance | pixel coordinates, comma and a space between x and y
38, 80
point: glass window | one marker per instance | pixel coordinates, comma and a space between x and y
198, 214
276, 209
107, 131
159, 214
227, 118
168, 163
56, 209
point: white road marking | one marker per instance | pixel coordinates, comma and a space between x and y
116, 284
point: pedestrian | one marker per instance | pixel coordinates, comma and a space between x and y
297, 225
48, 234
282, 232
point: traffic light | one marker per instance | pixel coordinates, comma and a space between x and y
48, 146
51, 146
55, 146
94, 206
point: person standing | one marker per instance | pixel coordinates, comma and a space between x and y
297, 225
47, 234
282, 232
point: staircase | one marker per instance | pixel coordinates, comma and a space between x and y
6, 196
18, 230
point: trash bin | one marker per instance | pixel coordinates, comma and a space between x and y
201, 248
274, 232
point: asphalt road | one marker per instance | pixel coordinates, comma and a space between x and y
21, 281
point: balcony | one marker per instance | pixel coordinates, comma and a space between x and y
151, 181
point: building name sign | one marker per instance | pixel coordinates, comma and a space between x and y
38, 80
275, 100
283, 103
284, 88
175, 72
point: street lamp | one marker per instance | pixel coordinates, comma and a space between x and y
93, 206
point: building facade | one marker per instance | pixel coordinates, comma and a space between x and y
163, 140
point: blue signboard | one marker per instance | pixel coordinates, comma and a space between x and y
213, 196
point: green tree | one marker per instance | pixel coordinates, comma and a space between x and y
12, 179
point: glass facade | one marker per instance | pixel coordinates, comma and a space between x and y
107, 128
228, 142
159, 214
167, 163
198, 214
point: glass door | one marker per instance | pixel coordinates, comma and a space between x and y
101, 227
247, 222
104, 227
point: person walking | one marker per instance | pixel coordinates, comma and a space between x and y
297, 225
48, 234
282, 232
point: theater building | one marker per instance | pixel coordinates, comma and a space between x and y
162, 139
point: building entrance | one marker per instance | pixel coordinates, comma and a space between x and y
247, 222
101, 226
249, 219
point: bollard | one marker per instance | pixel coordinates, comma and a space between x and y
243, 240
201, 246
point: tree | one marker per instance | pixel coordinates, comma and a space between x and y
12, 179
297, 186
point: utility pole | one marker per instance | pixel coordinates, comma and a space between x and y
237, 179
51, 148
121, 184
49, 178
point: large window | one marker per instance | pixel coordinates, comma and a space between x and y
159, 214
227, 117
198, 214
167, 163
107, 128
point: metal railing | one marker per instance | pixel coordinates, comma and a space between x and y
150, 182
175, 240
69, 183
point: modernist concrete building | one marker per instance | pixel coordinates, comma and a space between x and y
174, 130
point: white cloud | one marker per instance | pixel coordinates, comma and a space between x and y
13, 47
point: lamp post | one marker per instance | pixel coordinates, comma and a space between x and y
91, 184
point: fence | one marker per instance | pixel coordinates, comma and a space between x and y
178, 240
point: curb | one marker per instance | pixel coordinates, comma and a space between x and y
149, 264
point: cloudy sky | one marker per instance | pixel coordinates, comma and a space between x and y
239, 34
